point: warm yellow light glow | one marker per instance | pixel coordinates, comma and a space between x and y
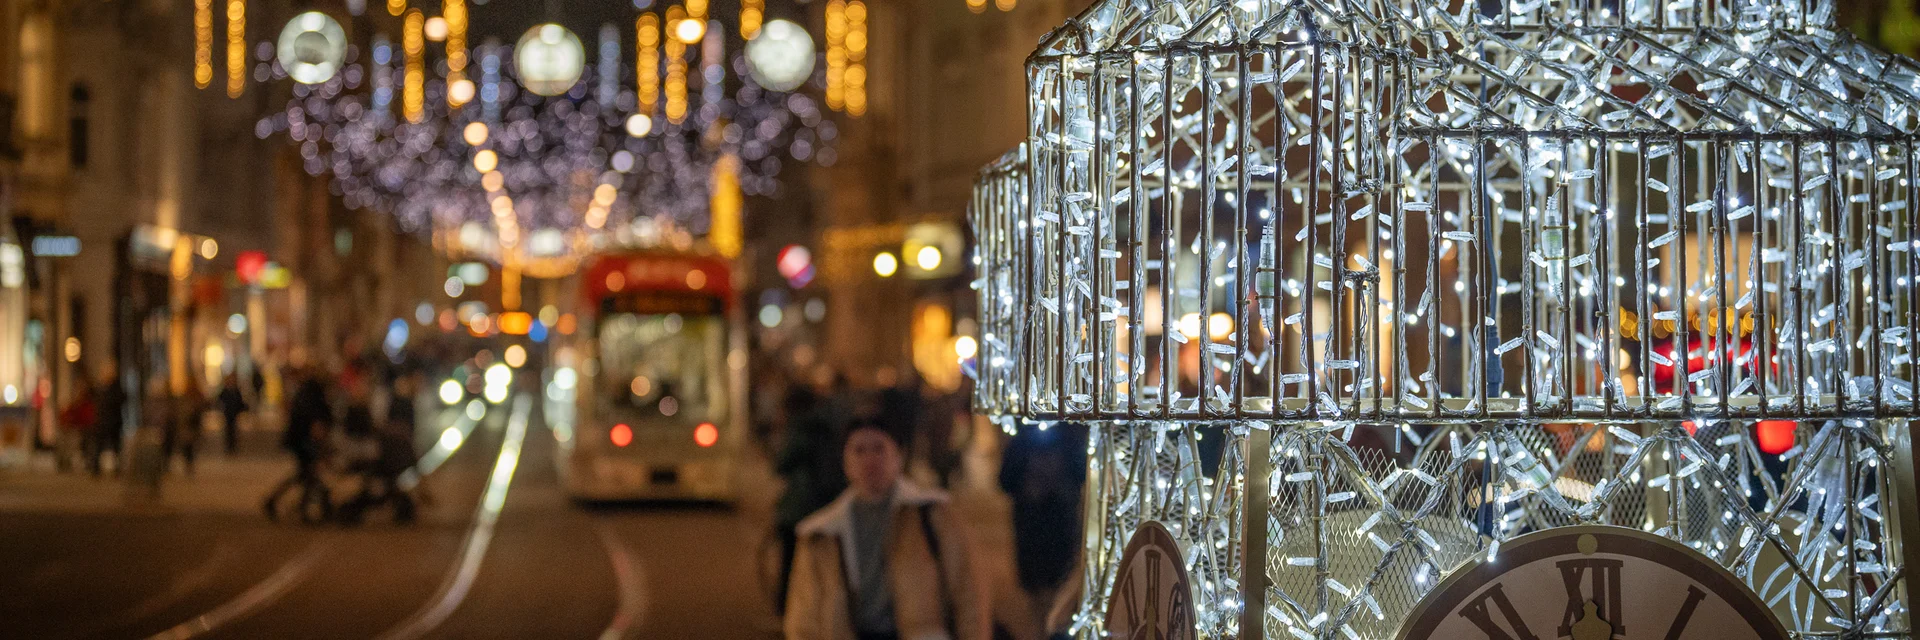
396, 7
202, 43
697, 9
436, 29
455, 12
486, 160
1219, 326
689, 31
451, 392
965, 347
752, 14
885, 264
1190, 326
676, 84
209, 248
515, 356
73, 349
459, 92
836, 33
977, 6
604, 194
1005, 5
413, 90
492, 181
855, 92
696, 280
640, 386
928, 258
236, 47
724, 206
646, 57
475, 134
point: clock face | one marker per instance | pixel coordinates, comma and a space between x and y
781, 57
1152, 598
1592, 583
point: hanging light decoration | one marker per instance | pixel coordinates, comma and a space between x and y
311, 48
525, 164
202, 43
855, 76
396, 7
752, 13
236, 47
676, 84
549, 59
460, 90
836, 32
414, 84
781, 59
646, 91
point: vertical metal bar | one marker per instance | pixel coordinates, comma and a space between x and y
1253, 527
1242, 283
1529, 278
1169, 374
1137, 286
1205, 379
1801, 329
1310, 216
1097, 178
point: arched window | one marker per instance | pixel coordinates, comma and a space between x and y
78, 109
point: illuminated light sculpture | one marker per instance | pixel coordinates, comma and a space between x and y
1491, 274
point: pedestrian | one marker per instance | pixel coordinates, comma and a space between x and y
1043, 472
184, 426
77, 423
232, 404
109, 430
809, 461
309, 419
885, 560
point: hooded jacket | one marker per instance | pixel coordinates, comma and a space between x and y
934, 594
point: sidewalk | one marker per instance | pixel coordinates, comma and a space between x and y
220, 484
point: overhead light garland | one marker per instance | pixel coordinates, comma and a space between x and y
528, 166
236, 47
202, 43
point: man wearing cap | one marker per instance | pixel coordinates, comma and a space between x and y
885, 560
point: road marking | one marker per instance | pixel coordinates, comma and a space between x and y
633, 593
259, 595
460, 577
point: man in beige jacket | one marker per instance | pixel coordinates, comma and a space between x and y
884, 561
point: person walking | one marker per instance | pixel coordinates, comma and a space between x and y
232, 404
184, 426
77, 423
885, 560
109, 428
309, 418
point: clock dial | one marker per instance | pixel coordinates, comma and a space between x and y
1152, 597
1592, 583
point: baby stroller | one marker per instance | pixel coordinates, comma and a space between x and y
380, 459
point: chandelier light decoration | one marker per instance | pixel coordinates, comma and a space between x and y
1354, 292
534, 142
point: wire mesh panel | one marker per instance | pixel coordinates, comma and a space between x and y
1467, 270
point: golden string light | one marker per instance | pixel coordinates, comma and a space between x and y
977, 6
236, 47
647, 63
455, 12
202, 43
1004, 5
676, 70
697, 10
836, 54
413, 100
396, 7
752, 14
856, 46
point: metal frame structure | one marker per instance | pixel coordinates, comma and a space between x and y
1382, 283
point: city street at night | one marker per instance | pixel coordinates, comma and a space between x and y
541, 566
959, 319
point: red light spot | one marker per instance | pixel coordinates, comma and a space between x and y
621, 435
1774, 436
706, 434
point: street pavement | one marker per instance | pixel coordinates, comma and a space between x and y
493, 556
